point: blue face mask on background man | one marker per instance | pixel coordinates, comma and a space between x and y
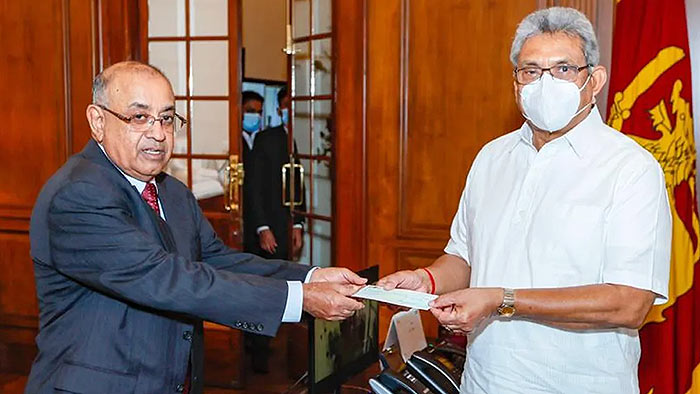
285, 116
251, 122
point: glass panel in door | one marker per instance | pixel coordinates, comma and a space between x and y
190, 41
311, 125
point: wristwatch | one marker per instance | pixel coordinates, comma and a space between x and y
507, 308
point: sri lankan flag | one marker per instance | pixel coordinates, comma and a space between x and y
650, 100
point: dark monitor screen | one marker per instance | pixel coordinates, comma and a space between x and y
340, 350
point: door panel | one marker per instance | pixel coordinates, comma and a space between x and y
438, 89
311, 126
197, 45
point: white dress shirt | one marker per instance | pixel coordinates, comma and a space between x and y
295, 291
589, 207
249, 138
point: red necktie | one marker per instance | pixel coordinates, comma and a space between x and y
150, 195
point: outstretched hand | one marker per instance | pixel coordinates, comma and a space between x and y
462, 311
337, 275
330, 301
411, 280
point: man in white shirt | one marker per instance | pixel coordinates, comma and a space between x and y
561, 241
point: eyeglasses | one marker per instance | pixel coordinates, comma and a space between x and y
564, 72
144, 122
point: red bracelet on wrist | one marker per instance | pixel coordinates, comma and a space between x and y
432, 280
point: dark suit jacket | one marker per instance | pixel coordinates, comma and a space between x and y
122, 293
263, 192
250, 237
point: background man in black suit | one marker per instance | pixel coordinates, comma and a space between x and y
251, 116
268, 215
265, 228
251, 124
127, 266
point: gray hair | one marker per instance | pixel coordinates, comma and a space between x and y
99, 87
101, 80
554, 20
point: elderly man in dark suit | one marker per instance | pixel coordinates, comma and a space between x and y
127, 267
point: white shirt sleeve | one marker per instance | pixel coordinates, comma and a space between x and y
638, 234
295, 299
459, 232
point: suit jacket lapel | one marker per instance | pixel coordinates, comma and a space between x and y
93, 153
166, 236
173, 207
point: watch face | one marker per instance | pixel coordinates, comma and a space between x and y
506, 311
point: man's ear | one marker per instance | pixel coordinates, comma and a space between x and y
96, 120
599, 76
516, 95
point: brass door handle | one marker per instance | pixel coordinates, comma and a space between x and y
301, 187
286, 167
292, 201
236, 174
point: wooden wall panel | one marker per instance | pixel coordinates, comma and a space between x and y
51, 51
35, 72
439, 86
18, 304
457, 94
33, 143
16, 266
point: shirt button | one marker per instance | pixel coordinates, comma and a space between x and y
180, 388
187, 335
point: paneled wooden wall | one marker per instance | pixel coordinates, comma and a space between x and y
439, 86
51, 49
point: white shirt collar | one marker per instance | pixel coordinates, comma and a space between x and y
249, 138
580, 138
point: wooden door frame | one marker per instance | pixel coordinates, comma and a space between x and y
349, 205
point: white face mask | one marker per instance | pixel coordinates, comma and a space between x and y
551, 103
